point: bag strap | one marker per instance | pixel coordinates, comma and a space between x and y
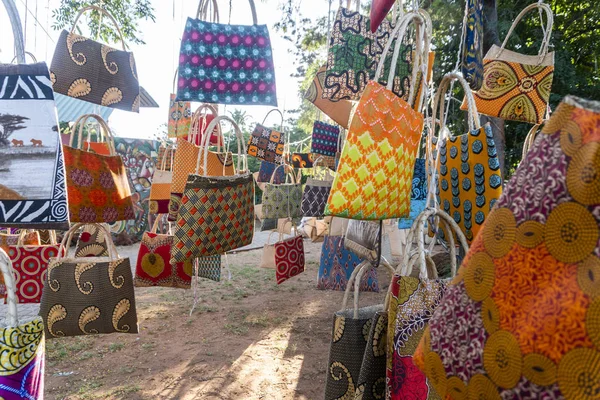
169, 149
354, 283
280, 113
439, 102
104, 131
242, 156
27, 54
11, 294
175, 80
294, 177
17, 28
359, 276
203, 10
529, 139
196, 129
104, 12
547, 31
66, 242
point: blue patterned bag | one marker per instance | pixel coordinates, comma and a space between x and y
472, 49
265, 172
418, 195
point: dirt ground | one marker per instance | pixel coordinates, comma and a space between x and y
248, 338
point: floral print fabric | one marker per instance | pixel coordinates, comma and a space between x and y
226, 64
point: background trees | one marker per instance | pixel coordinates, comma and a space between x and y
9, 123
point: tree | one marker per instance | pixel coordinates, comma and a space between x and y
10, 123
127, 13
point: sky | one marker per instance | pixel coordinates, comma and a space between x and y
156, 61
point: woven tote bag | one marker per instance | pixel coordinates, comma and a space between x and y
160, 190
469, 181
267, 144
325, 139
23, 238
531, 273
517, 86
94, 72
217, 212
239, 67
375, 169
88, 295
471, 58
23, 347
412, 301
98, 186
268, 170
283, 200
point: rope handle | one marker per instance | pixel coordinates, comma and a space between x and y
439, 102
529, 139
17, 28
27, 54
359, 276
242, 157
203, 10
104, 12
169, 149
547, 31
200, 130
286, 172
354, 282
66, 242
280, 113
11, 294
103, 132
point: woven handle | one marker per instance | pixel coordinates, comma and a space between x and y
547, 32
197, 129
11, 294
101, 11
529, 139
169, 149
204, 8
242, 157
359, 276
27, 54
439, 101
66, 242
287, 173
280, 113
17, 28
103, 132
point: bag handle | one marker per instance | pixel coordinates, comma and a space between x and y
27, 54
203, 10
529, 139
280, 113
242, 157
104, 131
66, 242
11, 294
195, 128
349, 4
547, 32
104, 12
294, 178
168, 149
354, 282
439, 101
17, 28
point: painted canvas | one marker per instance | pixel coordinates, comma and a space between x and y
32, 180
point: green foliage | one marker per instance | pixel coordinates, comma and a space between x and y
127, 13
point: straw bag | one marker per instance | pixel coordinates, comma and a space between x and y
468, 169
339, 111
283, 200
217, 213
267, 144
472, 48
160, 191
180, 114
240, 57
412, 302
23, 347
88, 295
374, 174
98, 186
93, 72
517, 86
316, 193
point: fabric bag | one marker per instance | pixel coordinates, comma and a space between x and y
267, 170
289, 258
23, 238
87, 70
302, 160
92, 241
472, 48
200, 120
418, 194
468, 170
315, 195
267, 144
517, 86
284, 200
88, 295
325, 139
98, 186
374, 174
22, 369
240, 52
32, 180
217, 212
160, 191
167, 152
180, 115
413, 299
530, 273
339, 111
154, 268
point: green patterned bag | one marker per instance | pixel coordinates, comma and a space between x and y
282, 201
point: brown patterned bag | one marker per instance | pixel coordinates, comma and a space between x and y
88, 295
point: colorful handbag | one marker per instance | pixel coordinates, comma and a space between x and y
32, 190
180, 115
160, 191
337, 265
217, 212
92, 241
200, 121
267, 144
283, 200
93, 72
153, 267
23, 238
418, 194
269, 170
517, 86
239, 68
531, 273
469, 181
325, 139
302, 160
88, 295
98, 186
374, 174
315, 195
472, 48
339, 111
413, 299
166, 153
22, 367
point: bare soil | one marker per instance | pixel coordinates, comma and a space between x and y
247, 338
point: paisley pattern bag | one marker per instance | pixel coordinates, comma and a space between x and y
531, 272
339, 111
283, 200
517, 86
267, 144
472, 49
88, 295
240, 58
268, 170
375, 169
23, 361
469, 181
93, 72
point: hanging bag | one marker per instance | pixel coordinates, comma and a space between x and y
160, 190
418, 194
180, 114
374, 175
267, 144
339, 111
240, 56
88, 295
471, 57
517, 86
23, 238
200, 120
468, 170
289, 257
217, 212
98, 186
92, 241
283, 200
23, 347
325, 139
316, 193
87, 70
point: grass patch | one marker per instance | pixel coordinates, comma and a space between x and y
125, 390
113, 347
63, 349
86, 355
148, 346
126, 370
238, 329
87, 387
